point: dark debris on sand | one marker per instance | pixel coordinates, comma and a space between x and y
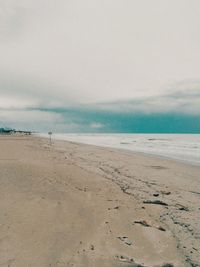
156, 202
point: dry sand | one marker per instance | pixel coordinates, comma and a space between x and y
68, 204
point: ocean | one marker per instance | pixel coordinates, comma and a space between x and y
181, 147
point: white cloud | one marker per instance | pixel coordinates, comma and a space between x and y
29, 119
180, 101
90, 51
96, 125
134, 55
15, 103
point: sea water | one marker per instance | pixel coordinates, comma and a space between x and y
182, 147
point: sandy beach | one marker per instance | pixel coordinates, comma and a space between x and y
69, 204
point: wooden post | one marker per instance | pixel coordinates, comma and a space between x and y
50, 134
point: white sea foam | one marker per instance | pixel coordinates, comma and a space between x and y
182, 147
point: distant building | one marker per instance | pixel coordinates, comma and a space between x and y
22, 132
13, 131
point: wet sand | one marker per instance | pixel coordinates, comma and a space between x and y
70, 204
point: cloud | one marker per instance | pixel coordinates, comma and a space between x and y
65, 62
30, 120
92, 51
185, 99
99, 117
97, 125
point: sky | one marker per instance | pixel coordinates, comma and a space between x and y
100, 65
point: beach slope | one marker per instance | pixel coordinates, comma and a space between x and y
67, 204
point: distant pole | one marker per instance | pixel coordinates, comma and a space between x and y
50, 134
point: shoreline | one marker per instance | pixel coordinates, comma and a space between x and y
95, 206
159, 160
131, 152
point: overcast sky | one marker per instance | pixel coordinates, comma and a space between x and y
121, 56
